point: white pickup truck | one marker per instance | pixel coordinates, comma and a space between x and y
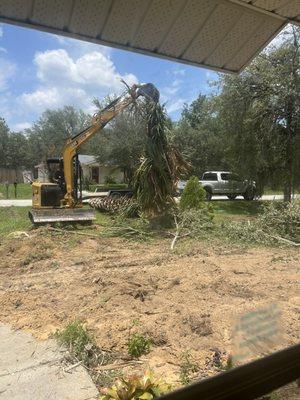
224, 183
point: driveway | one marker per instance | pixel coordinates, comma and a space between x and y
36, 370
15, 202
27, 202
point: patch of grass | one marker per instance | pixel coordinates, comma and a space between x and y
77, 340
237, 207
227, 365
105, 187
24, 191
14, 219
35, 256
138, 345
81, 345
187, 368
271, 396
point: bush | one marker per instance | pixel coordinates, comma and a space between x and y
86, 183
77, 340
282, 219
188, 368
138, 345
193, 195
109, 179
196, 221
276, 220
134, 387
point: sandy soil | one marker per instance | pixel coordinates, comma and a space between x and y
184, 300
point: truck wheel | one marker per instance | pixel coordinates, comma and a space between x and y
231, 196
249, 194
208, 195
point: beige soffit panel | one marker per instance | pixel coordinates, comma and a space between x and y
223, 35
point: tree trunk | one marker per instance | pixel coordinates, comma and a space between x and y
287, 192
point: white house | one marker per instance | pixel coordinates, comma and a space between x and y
97, 172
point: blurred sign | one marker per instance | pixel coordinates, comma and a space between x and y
256, 333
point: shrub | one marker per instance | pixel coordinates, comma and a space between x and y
77, 340
196, 221
138, 345
109, 179
187, 368
282, 219
276, 220
134, 387
193, 195
86, 183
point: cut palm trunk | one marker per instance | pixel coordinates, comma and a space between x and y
160, 168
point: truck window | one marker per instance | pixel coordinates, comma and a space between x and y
210, 176
225, 177
230, 177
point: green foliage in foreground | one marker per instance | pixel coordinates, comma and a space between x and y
134, 387
78, 341
82, 347
188, 368
277, 221
138, 345
193, 195
196, 222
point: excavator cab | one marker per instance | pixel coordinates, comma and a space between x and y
60, 199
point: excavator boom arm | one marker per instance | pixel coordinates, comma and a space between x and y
98, 122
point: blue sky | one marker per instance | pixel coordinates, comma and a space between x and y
39, 70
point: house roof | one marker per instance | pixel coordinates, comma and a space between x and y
222, 35
87, 159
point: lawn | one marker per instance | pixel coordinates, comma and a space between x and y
14, 219
24, 191
237, 209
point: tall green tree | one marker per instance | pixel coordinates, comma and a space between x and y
48, 135
14, 151
260, 115
198, 136
4, 142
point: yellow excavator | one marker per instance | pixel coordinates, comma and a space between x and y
60, 200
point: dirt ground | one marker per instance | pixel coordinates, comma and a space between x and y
185, 300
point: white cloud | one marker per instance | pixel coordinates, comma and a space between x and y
169, 91
3, 49
171, 96
175, 105
179, 71
20, 126
69, 80
7, 71
1, 31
